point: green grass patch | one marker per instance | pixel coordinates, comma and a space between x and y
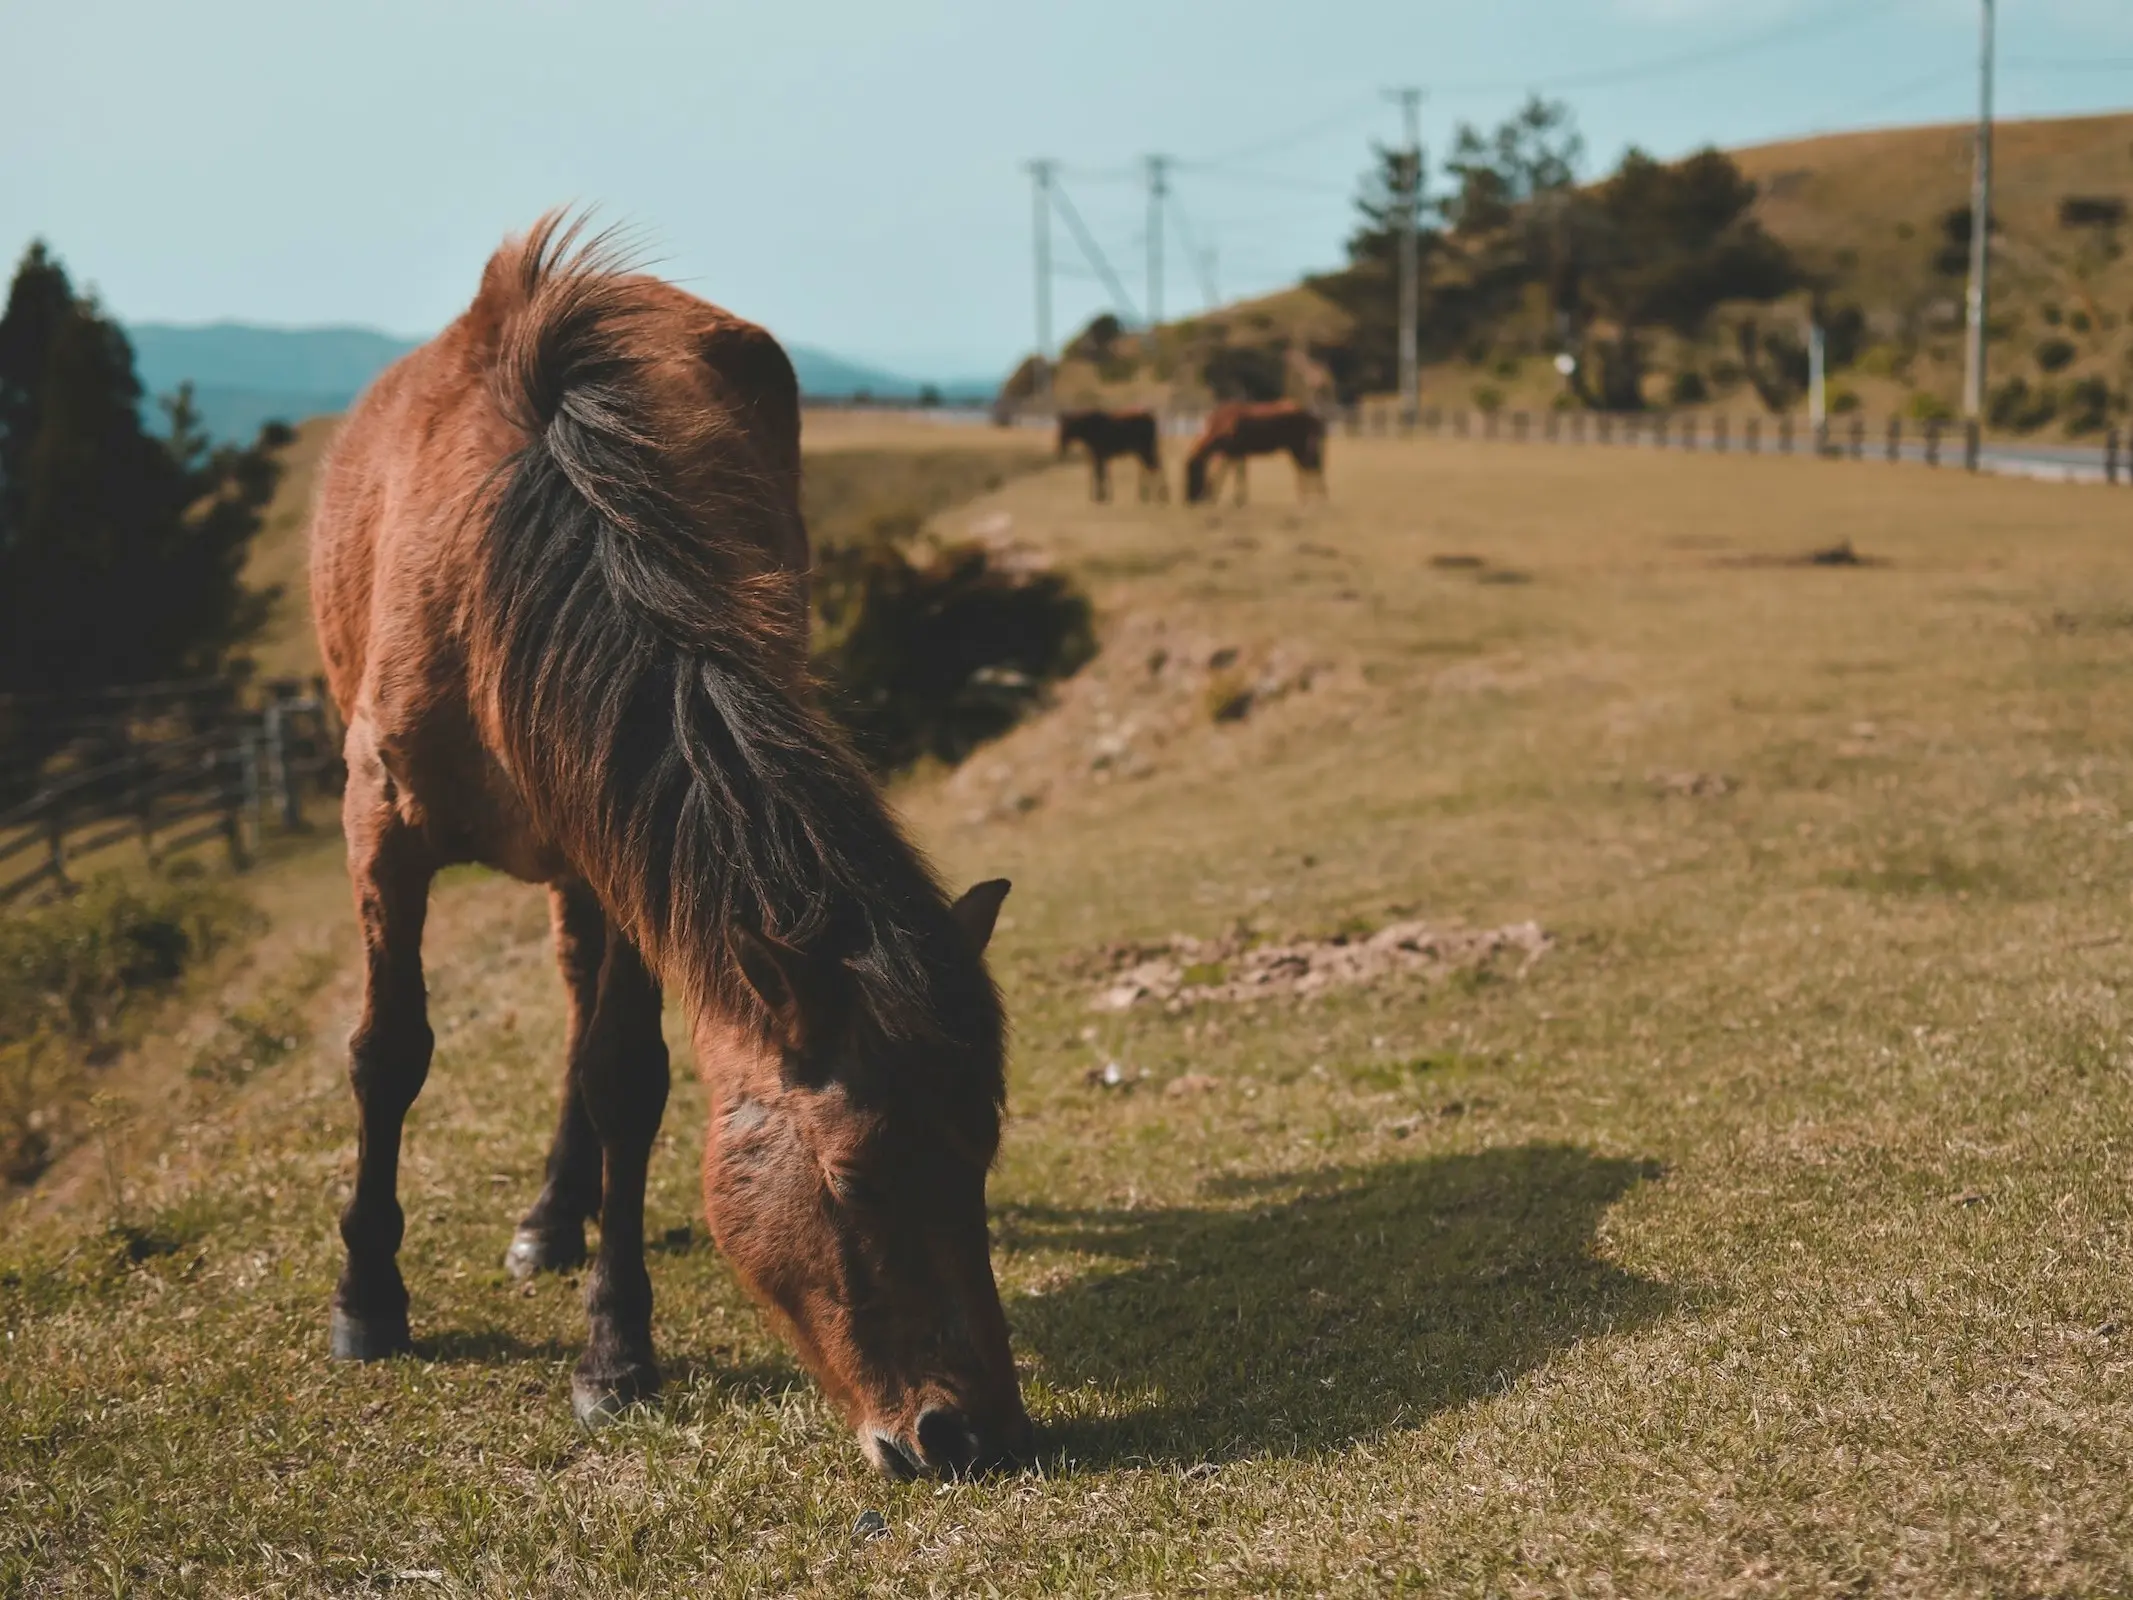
76, 979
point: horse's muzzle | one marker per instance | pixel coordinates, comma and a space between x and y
945, 1443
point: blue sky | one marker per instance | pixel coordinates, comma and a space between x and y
850, 171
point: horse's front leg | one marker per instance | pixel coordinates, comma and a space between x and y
1100, 484
1237, 465
621, 1077
390, 867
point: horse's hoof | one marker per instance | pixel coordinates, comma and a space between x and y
351, 1338
538, 1250
600, 1401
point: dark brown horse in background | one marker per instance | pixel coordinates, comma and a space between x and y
558, 572
1238, 429
1116, 433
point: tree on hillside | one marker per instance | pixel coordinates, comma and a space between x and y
120, 552
1482, 243
1663, 245
1534, 152
1367, 361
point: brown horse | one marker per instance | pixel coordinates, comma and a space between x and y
558, 574
1240, 429
1116, 433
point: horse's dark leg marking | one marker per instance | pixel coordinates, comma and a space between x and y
621, 1073
1101, 487
388, 1055
551, 1236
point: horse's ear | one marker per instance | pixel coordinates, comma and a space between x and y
781, 978
979, 909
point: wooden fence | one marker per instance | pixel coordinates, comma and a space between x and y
248, 771
1933, 443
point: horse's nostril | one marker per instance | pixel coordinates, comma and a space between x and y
946, 1440
894, 1458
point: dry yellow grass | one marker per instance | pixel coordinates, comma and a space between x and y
1769, 1236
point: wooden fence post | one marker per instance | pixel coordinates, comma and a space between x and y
55, 844
1932, 441
144, 802
1896, 437
1858, 437
2110, 457
1721, 433
1752, 435
1972, 438
1785, 434
1518, 426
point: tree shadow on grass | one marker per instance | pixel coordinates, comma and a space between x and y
1374, 1299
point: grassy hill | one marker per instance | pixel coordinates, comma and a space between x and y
1767, 1235
1869, 212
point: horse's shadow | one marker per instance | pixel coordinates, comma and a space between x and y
1378, 1297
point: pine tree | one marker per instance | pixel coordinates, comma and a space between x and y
121, 553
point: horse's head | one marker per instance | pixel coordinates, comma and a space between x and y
844, 1177
1195, 479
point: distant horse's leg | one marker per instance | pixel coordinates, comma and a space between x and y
388, 1055
621, 1073
1237, 466
551, 1237
1100, 485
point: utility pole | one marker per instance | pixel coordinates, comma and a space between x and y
1040, 173
1980, 231
1158, 191
1410, 103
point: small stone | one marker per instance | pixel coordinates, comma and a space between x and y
871, 1525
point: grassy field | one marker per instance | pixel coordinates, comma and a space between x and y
1769, 1234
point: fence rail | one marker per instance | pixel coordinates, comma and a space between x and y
248, 772
1850, 437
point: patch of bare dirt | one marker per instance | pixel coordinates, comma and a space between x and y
1151, 699
1183, 970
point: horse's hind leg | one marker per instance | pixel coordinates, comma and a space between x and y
551, 1236
621, 1077
1237, 466
388, 1055
1100, 480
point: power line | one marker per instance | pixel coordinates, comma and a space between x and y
1091, 251
1833, 18
1295, 136
1203, 260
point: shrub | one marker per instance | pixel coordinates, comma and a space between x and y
2014, 404
1246, 372
2055, 354
1924, 406
1843, 402
73, 979
1689, 388
933, 656
2087, 406
1488, 399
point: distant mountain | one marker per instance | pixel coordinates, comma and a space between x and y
243, 375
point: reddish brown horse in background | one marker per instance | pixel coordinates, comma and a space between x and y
1238, 429
1116, 433
558, 574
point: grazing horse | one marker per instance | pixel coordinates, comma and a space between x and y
1116, 433
558, 575
1237, 429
